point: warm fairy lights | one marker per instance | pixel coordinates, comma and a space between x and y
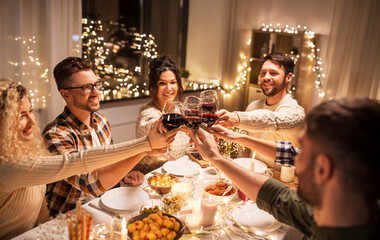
118, 80
31, 69
244, 67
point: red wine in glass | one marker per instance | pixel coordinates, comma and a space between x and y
172, 120
193, 122
209, 107
209, 119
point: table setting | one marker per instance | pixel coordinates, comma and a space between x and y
200, 213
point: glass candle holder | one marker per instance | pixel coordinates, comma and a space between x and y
102, 231
182, 187
117, 220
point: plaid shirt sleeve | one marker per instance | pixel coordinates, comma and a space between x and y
286, 153
60, 142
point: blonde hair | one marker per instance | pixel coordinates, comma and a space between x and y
12, 148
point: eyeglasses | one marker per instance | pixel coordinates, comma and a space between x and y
88, 88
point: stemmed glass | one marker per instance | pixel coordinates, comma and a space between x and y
192, 119
172, 117
210, 104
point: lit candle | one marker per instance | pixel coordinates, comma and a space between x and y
252, 165
208, 212
287, 174
192, 220
200, 185
182, 189
196, 205
124, 231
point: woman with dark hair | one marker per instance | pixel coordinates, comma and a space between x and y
164, 86
25, 164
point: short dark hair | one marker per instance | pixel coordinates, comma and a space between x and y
281, 60
347, 131
156, 67
67, 67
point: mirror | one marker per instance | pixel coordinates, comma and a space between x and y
120, 37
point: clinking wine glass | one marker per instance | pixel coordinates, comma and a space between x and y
192, 119
172, 117
209, 106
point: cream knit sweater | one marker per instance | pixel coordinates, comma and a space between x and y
279, 122
22, 186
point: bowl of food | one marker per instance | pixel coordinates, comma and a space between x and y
155, 226
171, 204
160, 183
220, 190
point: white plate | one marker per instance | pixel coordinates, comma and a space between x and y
252, 217
182, 167
123, 199
260, 167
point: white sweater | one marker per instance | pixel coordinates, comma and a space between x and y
22, 186
279, 122
148, 115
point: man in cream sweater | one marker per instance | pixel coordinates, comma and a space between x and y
278, 117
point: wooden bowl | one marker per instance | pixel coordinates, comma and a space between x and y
159, 190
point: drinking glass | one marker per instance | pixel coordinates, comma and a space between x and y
172, 117
192, 119
210, 104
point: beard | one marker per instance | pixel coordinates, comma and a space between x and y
307, 189
86, 106
276, 88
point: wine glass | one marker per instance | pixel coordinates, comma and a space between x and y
172, 117
209, 105
192, 119
192, 109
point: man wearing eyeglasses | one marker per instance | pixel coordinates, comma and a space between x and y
80, 127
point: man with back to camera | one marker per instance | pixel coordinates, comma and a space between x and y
338, 170
80, 127
278, 116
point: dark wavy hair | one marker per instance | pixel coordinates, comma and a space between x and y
281, 60
347, 131
67, 67
156, 67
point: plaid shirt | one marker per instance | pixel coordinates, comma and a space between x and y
68, 134
286, 153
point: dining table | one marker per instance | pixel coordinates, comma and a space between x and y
225, 226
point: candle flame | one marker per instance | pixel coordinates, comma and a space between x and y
123, 223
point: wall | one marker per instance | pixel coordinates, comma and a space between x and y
217, 32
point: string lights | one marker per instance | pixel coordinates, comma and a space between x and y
31, 69
118, 80
244, 67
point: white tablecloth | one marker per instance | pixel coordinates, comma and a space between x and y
56, 229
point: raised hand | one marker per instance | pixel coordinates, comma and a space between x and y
227, 119
158, 140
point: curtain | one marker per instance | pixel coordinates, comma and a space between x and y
34, 36
353, 55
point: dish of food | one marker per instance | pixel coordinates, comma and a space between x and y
160, 183
155, 226
123, 199
215, 190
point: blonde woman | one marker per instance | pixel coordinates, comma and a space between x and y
24, 170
